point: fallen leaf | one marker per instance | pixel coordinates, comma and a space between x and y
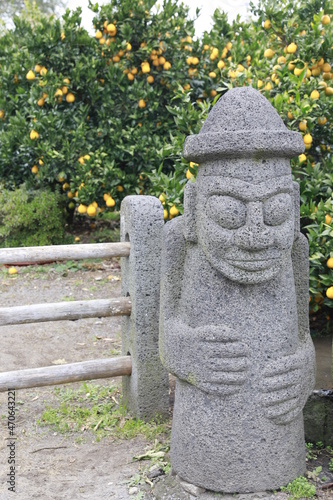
149, 455
114, 399
113, 278
98, 424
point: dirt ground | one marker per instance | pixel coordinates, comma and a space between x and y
51, 465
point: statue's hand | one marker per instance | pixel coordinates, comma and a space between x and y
222, 360
287, 383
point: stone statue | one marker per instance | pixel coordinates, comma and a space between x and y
234, 304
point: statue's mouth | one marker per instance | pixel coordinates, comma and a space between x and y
258, 260
253, 264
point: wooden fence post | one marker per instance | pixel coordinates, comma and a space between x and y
146, 391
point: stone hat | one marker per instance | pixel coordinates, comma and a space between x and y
242, 123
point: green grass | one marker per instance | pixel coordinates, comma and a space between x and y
300, 488
97, 409
114, 351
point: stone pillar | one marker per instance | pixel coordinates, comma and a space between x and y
146, 391
234, 304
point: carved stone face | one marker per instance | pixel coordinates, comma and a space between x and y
246, 230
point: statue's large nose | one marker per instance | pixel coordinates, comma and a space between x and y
254, 235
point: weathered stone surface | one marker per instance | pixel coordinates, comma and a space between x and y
155, 471
192, 489
234, 303
146, 391
242, 124
169, 488
318, 418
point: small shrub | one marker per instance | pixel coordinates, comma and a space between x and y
30, 218
311, 453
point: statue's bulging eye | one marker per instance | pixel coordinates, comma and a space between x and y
228, 212
277, 209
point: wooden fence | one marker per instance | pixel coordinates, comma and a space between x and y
37, 313
145, 383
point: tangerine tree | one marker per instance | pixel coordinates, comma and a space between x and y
91, 112
106, 115
286, 53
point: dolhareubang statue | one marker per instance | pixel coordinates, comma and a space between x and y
234, 304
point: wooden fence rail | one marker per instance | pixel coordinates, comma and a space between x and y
39, 313
29, 255
63, 374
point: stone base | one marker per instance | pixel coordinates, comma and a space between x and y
192, 489
173, 487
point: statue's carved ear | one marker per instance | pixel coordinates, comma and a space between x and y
297, 202
190, 195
